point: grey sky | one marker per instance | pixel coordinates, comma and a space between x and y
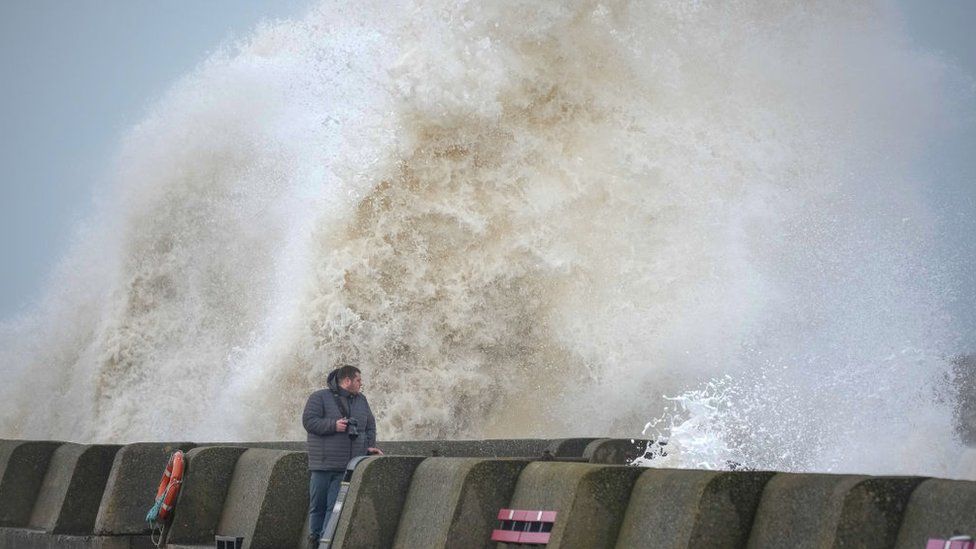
76, 75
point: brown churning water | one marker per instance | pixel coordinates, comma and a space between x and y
522, 219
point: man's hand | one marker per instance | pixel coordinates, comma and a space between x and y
374, 451
341, 425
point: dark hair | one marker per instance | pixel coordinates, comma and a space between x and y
346, 372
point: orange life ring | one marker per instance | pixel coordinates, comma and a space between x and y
169, 485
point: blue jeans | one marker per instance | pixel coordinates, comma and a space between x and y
323, 489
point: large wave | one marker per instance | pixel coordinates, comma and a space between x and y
521, 219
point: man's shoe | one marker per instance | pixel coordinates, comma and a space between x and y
313, 541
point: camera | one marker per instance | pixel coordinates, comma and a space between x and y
352, 427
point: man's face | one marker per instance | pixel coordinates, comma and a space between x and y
353, 384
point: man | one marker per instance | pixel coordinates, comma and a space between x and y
332, 441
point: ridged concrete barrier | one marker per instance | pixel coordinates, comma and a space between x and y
673, 508
375, 501
590, 500
267, 498
71, 492
261, 494
454, 502
209, 471
23, 465
808, 510
131, 487
938, 509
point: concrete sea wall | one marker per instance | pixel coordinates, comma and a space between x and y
448, 493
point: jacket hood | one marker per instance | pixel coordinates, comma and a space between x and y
333, 380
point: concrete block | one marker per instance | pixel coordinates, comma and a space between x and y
267, 500
874, 511
72, 490
938, 509
569, 447
209, 471
520, 447
614, 451
374, 503
23, 465
454, 502
812, 510
590, 500
800, 510
131, 487
673, 508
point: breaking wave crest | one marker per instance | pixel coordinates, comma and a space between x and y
521, 220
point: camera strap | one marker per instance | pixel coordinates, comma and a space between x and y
341, 403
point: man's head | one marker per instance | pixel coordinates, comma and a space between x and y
350, 379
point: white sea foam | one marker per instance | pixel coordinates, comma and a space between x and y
522, 219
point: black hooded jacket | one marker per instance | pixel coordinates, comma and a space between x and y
327, 449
